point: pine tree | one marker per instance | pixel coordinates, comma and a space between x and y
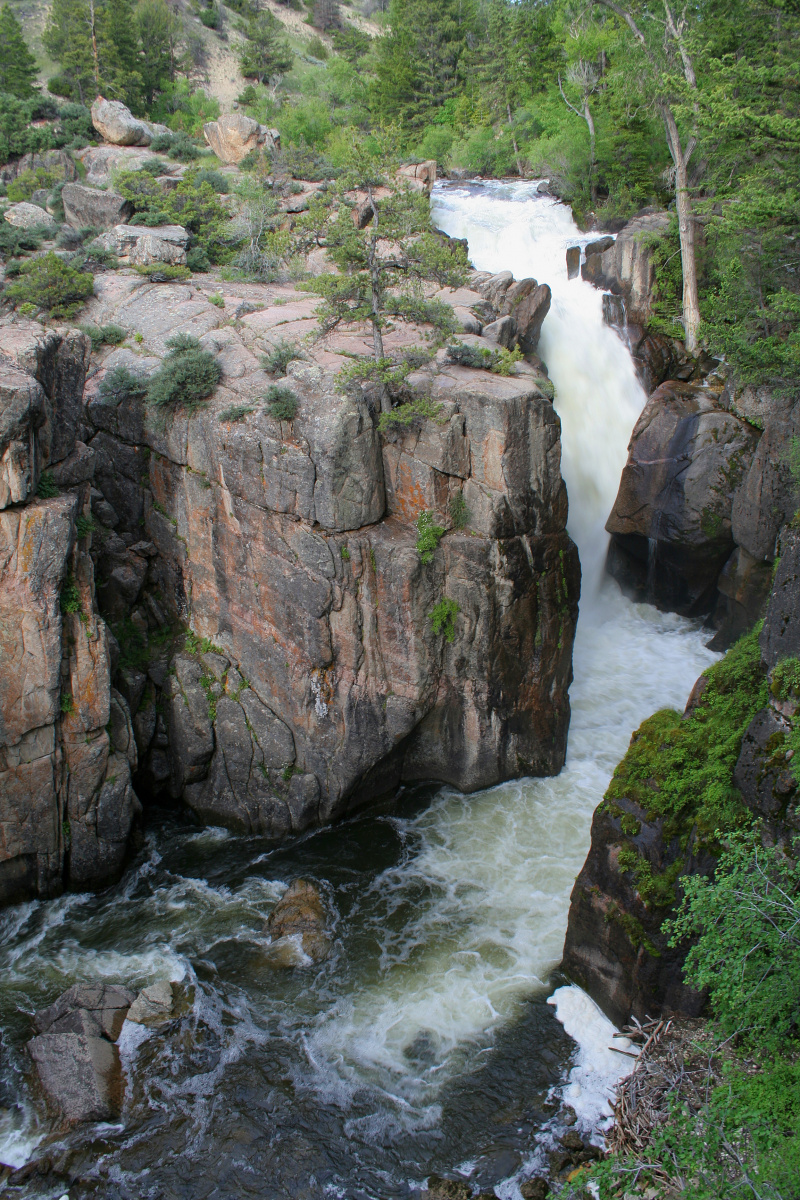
161, 35
17, 64
70, 37
327, 15
119, 53
265, 53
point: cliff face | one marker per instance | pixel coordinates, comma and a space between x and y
317, 674
67, 808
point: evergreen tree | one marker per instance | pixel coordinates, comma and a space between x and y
161, 35
265, 53
70, 37
17, 64
420, 61
118, 42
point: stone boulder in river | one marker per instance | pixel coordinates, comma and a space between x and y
299, 922
76, 1061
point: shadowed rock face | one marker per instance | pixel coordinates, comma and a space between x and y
671, 521
67, 807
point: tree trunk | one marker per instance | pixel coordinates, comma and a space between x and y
587, 116
683, 199
375, 287
514, 140
94, 47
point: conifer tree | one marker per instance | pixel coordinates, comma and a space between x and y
70, 37
17, 64
265, 53
161, 34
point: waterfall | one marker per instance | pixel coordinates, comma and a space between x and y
396, 1057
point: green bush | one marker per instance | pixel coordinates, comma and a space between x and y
278, 358
120, 384
237, 412
175, 145
282, 403
459, 513
404, 414
84, 526
463, 355
443, 618
164, 272
198, 260
70, 600
27, 182
187, 376
215, 179
14, 241
47, 488
217, 299
747, 924
429, 536
785, 680
50, 284
104, 335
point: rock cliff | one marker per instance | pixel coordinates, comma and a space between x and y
327, 659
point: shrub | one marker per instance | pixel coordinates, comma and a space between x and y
282, 403
98, 256
84, 526
175, 145
50, 284
404, 414
104, 335
237, 412
27, 182
785, 681
459, 513
505, 361
317, 49
429, 536
464, 355
151, 219
121, 384
187, 376
747, 922
278, 358
217, 299
70, 600
164, 272
443, 618
14, 241
215, 179
47, 487
198, 260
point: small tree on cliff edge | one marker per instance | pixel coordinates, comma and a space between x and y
385, 248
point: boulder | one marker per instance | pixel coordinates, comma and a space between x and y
300, 915
154, 1006
100, 1009
100, 162
116, 124
671, 521
233, 136
77, 1064
86, 207
29, 216
764, 775
421, 176
138, 245
529, 314
573, 262
23, 412
80, 1076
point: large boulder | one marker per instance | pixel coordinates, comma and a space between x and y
76, 1062
299, 917
233, 136
780, 635
671, 521
420, 176
138, 245
28, 216
22, 415
116, 124
86, 207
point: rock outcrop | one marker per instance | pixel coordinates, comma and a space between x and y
671, 522
298, 927
91, 208
28, 216
67, 807
233, 136
319, 678
625, 266
116, 124
138, 245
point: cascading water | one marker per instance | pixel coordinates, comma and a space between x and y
425, 1043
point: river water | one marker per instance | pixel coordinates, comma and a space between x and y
426, 1042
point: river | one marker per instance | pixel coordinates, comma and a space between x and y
425, 1043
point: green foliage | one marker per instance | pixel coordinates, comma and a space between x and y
164, 272
785, 679
105, 335
282, 403
14, 241
184, 107
17, 64
428, 536
217, 299
47, 487
236, 412
506, 360
187, 376
404, 414
443, 618
120, 385
27, 182
67, 704
70, 600
276, 360
345, 554
265, 52
682, 770
747, 924
84, 526
478, 357
52, 285
459, 513
175, 145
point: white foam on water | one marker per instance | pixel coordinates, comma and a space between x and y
592, 1082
